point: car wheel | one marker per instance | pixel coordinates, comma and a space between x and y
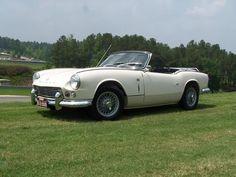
190, 97
108, 103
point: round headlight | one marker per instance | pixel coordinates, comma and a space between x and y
36, 76
75, 81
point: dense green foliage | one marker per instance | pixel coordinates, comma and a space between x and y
65, 53
164, 141
17, 48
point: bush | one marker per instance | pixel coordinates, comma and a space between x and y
15, 70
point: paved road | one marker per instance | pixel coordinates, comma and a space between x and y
14, 98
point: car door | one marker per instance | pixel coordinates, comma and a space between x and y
161, 88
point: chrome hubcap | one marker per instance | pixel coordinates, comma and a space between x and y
191, 97
107, 104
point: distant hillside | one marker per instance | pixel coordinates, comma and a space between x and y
17, 48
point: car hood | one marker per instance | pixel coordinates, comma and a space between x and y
55, 77
60, 76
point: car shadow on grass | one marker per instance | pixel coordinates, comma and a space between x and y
68, 114
81, 115
136, 113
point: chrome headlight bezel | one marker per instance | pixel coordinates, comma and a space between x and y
75, 81
36, 76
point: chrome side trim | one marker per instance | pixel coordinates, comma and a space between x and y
205, 90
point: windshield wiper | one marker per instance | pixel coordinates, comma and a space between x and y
134, 64
118, 63
131, 64
114, 64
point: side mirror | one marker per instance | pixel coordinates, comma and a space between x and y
148, 68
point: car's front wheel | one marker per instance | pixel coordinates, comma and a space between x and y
108, 103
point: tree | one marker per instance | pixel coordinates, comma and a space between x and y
65, 52
29, 49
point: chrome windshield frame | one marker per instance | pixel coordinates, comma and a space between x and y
149, 55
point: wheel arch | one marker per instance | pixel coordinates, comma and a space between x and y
194, 83
111, 83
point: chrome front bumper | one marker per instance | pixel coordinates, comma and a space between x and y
60, 102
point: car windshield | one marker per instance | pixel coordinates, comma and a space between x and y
126, 59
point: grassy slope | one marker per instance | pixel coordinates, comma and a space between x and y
34, 66
14, 91
163, 141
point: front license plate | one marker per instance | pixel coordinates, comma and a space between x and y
42, 102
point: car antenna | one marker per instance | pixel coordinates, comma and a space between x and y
104, 54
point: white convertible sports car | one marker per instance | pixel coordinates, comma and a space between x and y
125, 80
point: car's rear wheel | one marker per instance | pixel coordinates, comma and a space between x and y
190, 97
108, 103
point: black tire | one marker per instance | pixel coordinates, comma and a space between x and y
190, 97
108, 103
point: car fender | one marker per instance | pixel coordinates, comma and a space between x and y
104, 81
188, 81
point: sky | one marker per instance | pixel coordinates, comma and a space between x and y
173, 22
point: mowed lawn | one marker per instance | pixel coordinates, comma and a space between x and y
163, 141
15, 91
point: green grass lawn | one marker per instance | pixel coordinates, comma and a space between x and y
164, 141
15, 91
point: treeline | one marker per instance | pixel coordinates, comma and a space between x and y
208, 58
69, 52
16, 48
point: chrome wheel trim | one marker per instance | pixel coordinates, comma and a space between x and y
107, 104
191, 97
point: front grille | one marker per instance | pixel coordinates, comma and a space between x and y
48, 92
